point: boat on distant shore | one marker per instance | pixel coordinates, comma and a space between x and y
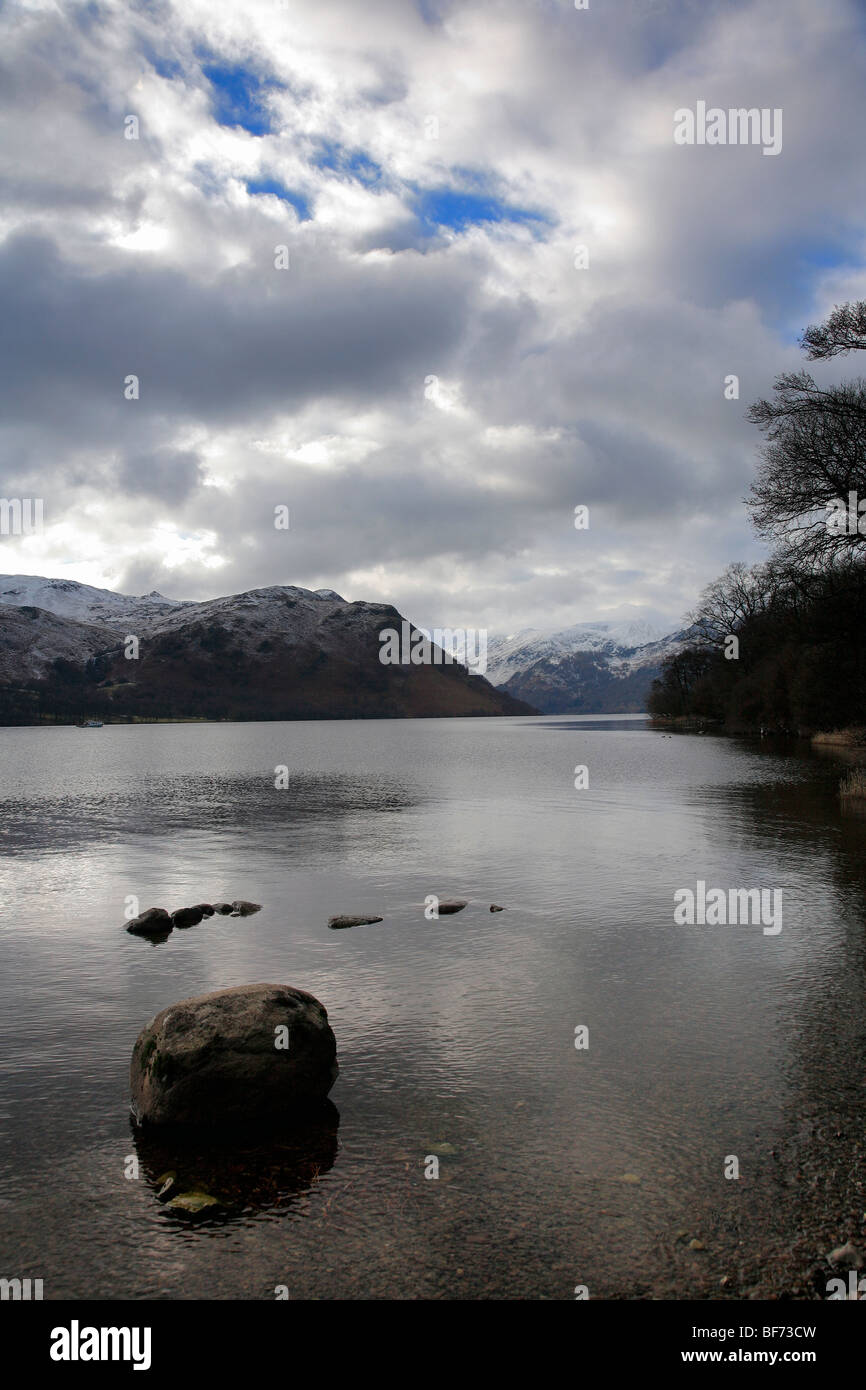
90, 724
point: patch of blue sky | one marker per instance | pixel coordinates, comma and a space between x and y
351, 163
286, 195
238, 97
162, 66
793, 276
825, 254
459, 209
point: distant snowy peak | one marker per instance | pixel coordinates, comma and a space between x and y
626, 636
590, 668
629, 643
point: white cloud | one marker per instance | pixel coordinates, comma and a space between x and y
555, 385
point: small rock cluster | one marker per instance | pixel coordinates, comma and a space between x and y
156, 921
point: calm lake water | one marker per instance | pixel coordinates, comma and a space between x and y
558, 1166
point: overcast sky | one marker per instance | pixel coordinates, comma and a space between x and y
436, 381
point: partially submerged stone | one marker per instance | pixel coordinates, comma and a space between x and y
449, 905
240, 908
251, 1054
193, 1202
187, 916
154, 921
347, 920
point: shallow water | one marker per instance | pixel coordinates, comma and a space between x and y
558, 1166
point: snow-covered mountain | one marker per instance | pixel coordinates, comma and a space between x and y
284, 651
590, 668
280, 652
510, 655
85, 604
35, 644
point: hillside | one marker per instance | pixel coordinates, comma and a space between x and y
275, 653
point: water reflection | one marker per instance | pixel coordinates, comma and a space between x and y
227, 802
455, 1037
243, 1175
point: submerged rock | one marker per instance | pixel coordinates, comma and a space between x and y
495, 908
193, 1202
187, 916
154, 921
222, 908
338, 923
244, 1169
204, 908
240, 908
449, 905
251, 1054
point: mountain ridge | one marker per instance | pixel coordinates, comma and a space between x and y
278, 652
587, 668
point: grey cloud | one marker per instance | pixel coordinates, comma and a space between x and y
611, 385
261, 339
168, 474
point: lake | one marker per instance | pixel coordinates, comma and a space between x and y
602, 1166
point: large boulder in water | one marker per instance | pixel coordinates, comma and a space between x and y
252, 1054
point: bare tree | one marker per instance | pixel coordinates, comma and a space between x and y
815, 455
815, 452
844, 331
728, 602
